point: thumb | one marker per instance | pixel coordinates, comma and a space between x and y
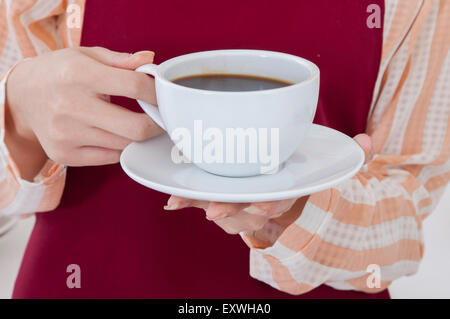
119, 59
365, 142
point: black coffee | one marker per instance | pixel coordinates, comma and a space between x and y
230, 82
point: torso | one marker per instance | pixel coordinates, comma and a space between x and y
115, 229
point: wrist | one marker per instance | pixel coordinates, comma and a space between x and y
15, 93
23, 145
263, 238
27, 154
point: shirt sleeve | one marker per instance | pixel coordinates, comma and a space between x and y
28, 29
367, 231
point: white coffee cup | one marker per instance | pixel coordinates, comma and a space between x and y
289, 110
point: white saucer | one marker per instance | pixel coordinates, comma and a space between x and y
325, 158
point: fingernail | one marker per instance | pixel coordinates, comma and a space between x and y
171, 207
144, 52
253, 210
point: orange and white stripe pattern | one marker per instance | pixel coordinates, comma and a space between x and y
376, 217
373, 218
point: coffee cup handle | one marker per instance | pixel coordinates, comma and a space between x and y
148, 108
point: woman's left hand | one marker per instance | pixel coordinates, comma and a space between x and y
235, 218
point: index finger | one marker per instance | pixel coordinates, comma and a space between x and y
120, 82
218, 210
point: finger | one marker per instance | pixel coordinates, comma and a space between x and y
104, 79
176, 202
101, 138
217, 210
94, 156
118, 120
270, 209
241, 222
131, 84
365, 142
119, 59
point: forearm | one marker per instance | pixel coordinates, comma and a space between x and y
341, 232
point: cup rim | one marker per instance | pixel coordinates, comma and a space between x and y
313, 68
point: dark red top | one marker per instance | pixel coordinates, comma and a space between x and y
116, 229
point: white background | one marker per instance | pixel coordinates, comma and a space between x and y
432, 280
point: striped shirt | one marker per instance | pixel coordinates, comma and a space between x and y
373, 218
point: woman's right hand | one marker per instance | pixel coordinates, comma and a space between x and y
59, 102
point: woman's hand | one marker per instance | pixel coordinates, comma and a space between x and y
251, 217
58, 106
